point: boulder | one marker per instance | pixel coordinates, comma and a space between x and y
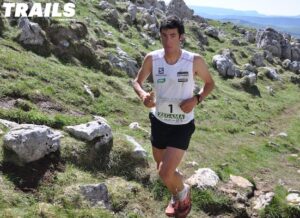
33, 38
250, 36
286, 64
295, 54
92, 130
29, 142
96, 194
269, 39
258, 60
105, 5
203, 178
295, 67
271, 73
224, 65
249, 80
212, 32
124, 62
132, 10
138, 151
111, 16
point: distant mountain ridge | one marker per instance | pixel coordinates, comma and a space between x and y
254, 19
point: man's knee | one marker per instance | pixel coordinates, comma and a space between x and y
164, 173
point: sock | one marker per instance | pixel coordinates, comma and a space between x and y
183, 193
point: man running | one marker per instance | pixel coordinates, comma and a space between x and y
172, 116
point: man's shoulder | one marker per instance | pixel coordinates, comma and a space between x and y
156, 53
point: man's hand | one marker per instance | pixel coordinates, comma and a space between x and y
149, 99
188, 104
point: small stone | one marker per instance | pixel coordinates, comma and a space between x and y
263, 200
294, 155
253, 133
282, 134
192, 163
293, 199
240, 181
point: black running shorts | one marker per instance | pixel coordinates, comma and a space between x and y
165, 135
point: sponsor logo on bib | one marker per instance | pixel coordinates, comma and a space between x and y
162, 80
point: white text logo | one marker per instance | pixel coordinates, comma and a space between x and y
49, 10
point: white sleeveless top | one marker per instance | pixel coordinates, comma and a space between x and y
172, 84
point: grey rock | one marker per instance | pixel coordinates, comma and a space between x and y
203, 178
249, 80
263, 200
235, 42
9, 124
271, 73
286, 64
224, 65
250, 67
286, 49
139, 151
269, 39
105, 5
293, 199
112, 17
250, 36
258, 60
132, 10
92, 130
162, 6
96, 194
124, 62
212, 32
180, 9
31, 142
31, 33
295, 54
268, 56
295, 67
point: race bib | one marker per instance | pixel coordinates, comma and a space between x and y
169, 111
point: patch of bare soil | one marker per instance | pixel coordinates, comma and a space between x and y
28, 178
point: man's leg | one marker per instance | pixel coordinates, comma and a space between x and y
158, 155
167, 169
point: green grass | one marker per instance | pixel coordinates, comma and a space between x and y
221, 140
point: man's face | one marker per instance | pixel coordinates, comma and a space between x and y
170, 39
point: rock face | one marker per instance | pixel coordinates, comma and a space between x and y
31, 142
278, 44
180, 9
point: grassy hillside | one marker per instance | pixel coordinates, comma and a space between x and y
48, 91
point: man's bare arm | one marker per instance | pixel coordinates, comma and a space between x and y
201, 70
144, 72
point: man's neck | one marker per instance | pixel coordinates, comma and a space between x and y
172, 58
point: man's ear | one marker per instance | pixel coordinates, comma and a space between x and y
181, 37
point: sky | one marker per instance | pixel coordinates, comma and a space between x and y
267, 7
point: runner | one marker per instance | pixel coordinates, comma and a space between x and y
172, 115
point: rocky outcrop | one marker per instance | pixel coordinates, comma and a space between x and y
212, 32
69, 45
180, 9
28, 142
32, 37
278, 44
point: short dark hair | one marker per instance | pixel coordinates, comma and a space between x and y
172, 22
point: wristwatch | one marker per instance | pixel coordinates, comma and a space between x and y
199, 98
